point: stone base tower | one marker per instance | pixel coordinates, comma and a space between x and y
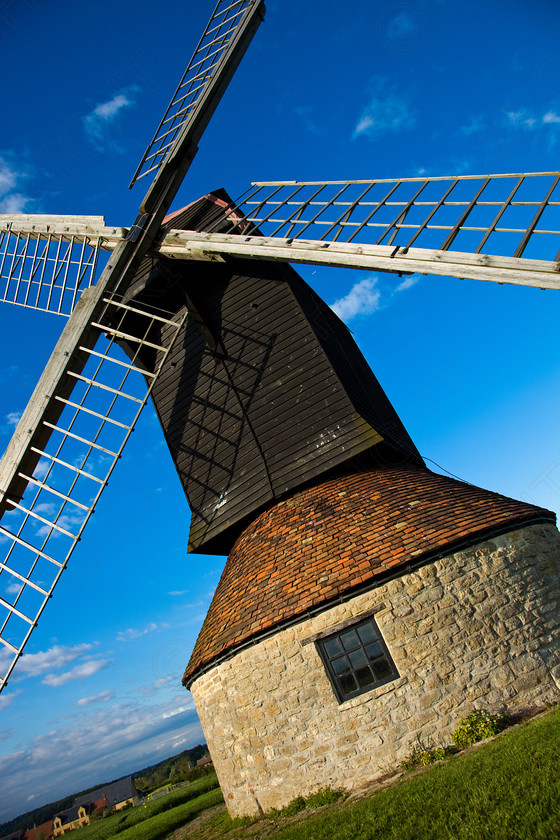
363, 612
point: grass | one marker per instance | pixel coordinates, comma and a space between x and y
160, 826
508, 789
122, 822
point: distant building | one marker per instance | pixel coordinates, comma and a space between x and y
72, 818
115, 796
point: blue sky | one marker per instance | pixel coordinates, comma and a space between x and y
328, 90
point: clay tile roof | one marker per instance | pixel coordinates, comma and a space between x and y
343, 535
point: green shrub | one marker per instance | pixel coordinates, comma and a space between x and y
294, 807
324, 796
479, 725
422, 756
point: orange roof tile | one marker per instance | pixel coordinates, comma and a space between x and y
342, 534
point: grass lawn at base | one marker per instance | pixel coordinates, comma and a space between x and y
160, 826
132, 818
507, 789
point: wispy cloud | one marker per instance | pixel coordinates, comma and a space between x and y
102, 697
388, 110
365, 297
78, 672
473, 126
408, 282
13, 418
104, 115
134, 633
305, 113
401, 26
12, 174
115, 737
523, 118
34, 664
362, 299
7, 699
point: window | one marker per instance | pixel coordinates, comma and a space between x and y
356, 659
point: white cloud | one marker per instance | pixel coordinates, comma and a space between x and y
525, 119
133, 633
78, 672
11, 175
409, 281
388, 110
103, 742
7, 699
104, 114
174, 712
362, 299
102, 697
33, 664
13, 418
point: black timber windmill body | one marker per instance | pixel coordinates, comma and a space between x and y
258, 386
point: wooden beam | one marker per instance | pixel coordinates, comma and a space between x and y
66, 228
190, 245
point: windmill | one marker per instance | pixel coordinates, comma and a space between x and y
68, 442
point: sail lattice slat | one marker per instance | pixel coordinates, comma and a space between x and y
59, 480
228, 18
46, 262
512, 215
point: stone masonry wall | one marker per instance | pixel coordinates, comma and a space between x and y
476, 629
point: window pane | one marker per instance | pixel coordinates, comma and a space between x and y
365, 677
374, 650
347, 684
367, 633
350, 640
341, 665
333, 647
357, 658
381, 669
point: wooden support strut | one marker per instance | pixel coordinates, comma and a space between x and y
189, 245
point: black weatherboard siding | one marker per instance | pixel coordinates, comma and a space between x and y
264, 391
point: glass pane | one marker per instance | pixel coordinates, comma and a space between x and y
374, 650
367, 633
350, 640
357, 658
382, 669
333, 648
365, 677
340, 665
347, 684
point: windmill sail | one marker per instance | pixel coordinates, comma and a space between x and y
64, 450
46, 262
215, 59
42, 476
504, 228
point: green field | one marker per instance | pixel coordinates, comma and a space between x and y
158, 818
505, 789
